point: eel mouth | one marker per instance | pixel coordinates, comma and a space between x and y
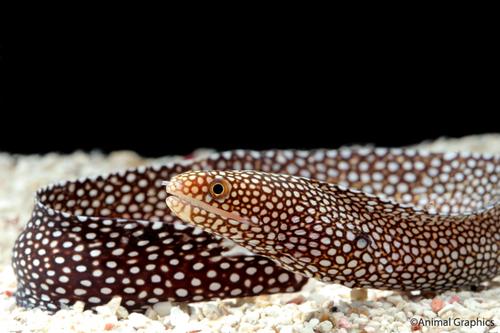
182, 205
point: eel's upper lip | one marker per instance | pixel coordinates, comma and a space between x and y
171, 189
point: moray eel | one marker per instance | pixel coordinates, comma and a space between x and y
403, 220
92, 239
366, 217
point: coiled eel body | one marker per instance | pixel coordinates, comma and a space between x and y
362, 217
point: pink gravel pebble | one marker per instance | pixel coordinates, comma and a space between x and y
343, 323
415, 327
437, 304
453, 299
297, 300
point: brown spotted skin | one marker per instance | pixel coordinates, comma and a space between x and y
94, 238
421, 222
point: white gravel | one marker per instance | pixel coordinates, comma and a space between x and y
318, 308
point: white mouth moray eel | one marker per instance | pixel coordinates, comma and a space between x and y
362, 217
403, 220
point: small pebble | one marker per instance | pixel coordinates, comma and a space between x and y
211, 311
227, 329
415, 327
429, 314
324, 327
286, 329
79, 306
400, 316
122, 313
162, 308
344, 323
110, 308
306, 329
138, 320
151, 314
437, 304
178, 317
313, 322
296, 300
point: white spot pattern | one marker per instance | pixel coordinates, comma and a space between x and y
130, 246
379, 218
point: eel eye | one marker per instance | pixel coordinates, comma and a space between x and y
219, 188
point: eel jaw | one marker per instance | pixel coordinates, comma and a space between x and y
182, 206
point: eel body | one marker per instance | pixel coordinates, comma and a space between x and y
361, 217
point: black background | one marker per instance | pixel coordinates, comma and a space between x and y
168, 93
